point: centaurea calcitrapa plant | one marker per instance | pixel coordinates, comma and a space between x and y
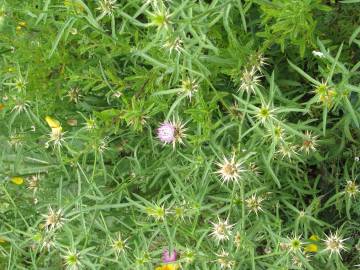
153, 134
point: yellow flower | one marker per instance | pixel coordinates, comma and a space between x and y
312, 247
2, 240
171, 266
53, 123
17, 180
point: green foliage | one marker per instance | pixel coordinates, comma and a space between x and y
291, 22
132, 127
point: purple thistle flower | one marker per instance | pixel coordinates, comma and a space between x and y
166, 132
169, 257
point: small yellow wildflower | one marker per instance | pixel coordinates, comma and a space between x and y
314, 237
17, 180
172, 266
53, 123
312, 247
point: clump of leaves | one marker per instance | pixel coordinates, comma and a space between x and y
290, 22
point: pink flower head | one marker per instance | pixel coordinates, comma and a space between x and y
169, 257
166, 132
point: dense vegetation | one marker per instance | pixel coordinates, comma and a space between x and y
179, 134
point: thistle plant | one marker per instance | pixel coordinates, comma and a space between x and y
169, 134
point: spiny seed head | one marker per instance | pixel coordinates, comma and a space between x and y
309, 143
258, 60
325, 94
107, 7
20, 83
294, 244
334, 243
254, 204
351, 188
90, 124
189, 87
287, 150
54, 219
56, 137
20, 106
249, 81
221, 230
237, 239
188, 256
119, 244
224, 260
161, 19
72, 260
265, 113
157, 212
33, 182
174, 45
229, 170
74, 95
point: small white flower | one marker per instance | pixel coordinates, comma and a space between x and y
221, 230
318, 54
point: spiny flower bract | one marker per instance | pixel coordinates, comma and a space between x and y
230, 170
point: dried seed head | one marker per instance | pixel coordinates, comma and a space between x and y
309, 143
334, 243
254, 204
351, 188
229, 170
107, 7
53, 219
221, 230
224, 260
249, 81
